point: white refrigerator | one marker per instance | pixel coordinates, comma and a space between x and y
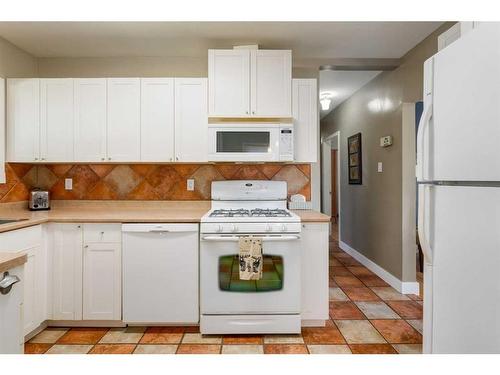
458, 173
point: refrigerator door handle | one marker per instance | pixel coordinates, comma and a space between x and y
424, 124
422, 218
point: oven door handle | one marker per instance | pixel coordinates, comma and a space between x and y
264, 238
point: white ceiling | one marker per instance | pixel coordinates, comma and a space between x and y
192, 39
342, 84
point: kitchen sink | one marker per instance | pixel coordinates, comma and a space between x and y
7, 221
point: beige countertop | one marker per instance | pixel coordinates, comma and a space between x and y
119, 212
11, 260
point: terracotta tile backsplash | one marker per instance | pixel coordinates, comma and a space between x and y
143, 181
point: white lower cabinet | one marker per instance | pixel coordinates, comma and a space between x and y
86, 271
66, 245
102, 281
29, 241
314, 271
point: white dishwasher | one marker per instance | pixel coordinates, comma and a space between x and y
160, 273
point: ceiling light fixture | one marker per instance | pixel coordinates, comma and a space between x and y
325, 100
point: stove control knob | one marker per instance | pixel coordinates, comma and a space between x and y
269, 228
234, 228
283, 227
219, 228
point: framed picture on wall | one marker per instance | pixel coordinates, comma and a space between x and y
354, 159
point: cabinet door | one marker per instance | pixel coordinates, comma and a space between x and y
271, 83
102, 281
30, 284
23, 120
191, 125
314, 271
124, 119
229, 83
305, 120
56, 119
66, 243
157, 119
90, 119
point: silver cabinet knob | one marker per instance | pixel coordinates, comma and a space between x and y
36, 158
7, 282
103, 158
246, 112
176, 158
109, 158
253, 112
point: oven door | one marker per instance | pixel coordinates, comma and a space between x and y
230, 142
277, 292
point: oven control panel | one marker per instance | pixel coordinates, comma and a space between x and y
250, 228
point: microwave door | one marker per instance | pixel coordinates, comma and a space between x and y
243, 144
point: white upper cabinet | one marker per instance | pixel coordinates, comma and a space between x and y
56, 119
305, 120
23, 120
191, 121
229, 82
157, 119
271, 83
90, 119
249, 83
124, 119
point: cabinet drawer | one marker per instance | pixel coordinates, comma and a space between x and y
102, 233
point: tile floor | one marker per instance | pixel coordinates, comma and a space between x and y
366, 316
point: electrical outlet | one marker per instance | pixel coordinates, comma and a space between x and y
190, 184
68, 183
380, 167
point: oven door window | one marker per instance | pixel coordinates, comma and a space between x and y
229, 275
244, 141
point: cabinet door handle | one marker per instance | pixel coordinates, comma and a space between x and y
176, 158
102, 158
36, 158
246, 112
109, 158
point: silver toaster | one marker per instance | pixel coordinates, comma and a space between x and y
39, 200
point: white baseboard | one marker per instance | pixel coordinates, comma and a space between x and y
405, 287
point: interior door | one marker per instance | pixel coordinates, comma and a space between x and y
157, 119
191, 126
465, 129
229, 82
56, 119
271, 83
462, 229
124, 119
90, 119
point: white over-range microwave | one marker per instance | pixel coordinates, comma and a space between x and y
250, 142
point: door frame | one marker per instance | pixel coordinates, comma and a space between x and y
328, 143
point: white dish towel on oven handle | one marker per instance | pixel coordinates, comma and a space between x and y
251, 258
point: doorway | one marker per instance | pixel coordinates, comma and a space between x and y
330, 189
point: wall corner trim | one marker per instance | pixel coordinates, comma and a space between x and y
405, 287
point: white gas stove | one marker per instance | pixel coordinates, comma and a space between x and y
233, 306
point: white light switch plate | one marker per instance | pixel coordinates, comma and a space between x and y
190, 184
380, 167
68, 183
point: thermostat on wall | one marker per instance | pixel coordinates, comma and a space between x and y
386, 141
